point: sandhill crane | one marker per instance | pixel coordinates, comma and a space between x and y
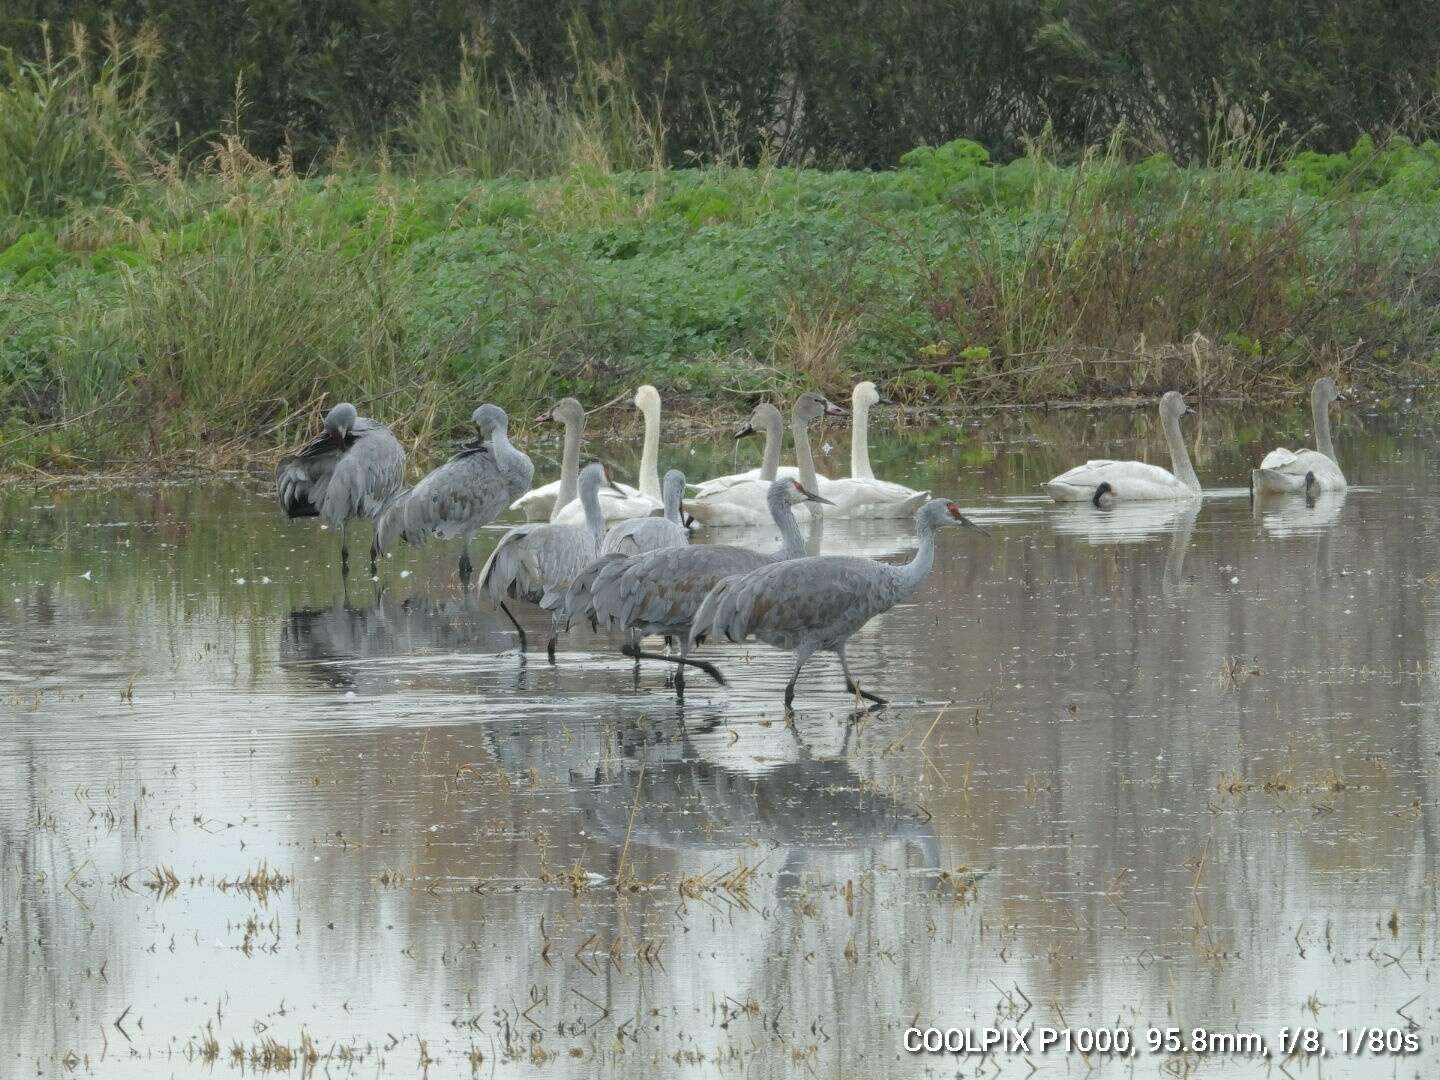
639, 535
746, 503
807, 605
660, 591
350, 471
461, 497
536, 562
549, 501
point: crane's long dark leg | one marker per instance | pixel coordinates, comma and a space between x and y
853, 686
515, 623
466, 569
801, 655
344, 553
554, 636
375, 557
641, 654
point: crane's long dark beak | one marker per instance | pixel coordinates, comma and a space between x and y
745, 432
816, 498
963, 520
831, 409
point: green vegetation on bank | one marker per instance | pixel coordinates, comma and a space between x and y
154, 304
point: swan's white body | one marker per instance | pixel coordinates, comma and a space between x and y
1134, 481
1284, 471
619, 504
718, 484
862, 496
746, 503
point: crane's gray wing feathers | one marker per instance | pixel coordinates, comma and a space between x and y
367, 476
301, 478
665, 588
820, 598
537, 562
579, 598
453, 502
639, 535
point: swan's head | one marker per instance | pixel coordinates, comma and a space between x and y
812, 404
866, 395
1104, 496
765, 417
595, 476
791, 493
339, 420
647, 400
566, 411
490, 419
1172, 405
1326, 392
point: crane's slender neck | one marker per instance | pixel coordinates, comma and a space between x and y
1320, 414
594, 516
499, 440
860, 442
673, 498
650, 455
770, 466
1179, 454
799, 431
792, 540
913, 573
569, 466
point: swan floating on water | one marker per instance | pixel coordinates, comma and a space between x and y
1309, 471
1106, 482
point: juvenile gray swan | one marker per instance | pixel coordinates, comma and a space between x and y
468, 492
538, 561
814, 604
1308, 471
352, 470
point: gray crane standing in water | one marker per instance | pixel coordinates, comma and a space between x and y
807, 605
353, 470
660, 592
461, 497
536, 562
639, 535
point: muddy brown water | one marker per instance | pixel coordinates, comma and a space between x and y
1145, 768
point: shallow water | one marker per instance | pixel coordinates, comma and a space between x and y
1146, 767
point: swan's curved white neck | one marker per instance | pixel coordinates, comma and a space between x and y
650, 453
1179, 453
770, 464
860, 441
569, 467
799, 431
1320, 416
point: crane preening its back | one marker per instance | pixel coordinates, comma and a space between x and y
354, 469
814, 604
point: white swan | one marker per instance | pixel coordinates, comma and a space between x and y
862, 496
1106, 482
549, 501
628, 503
1309, 471
765, 419
746, 503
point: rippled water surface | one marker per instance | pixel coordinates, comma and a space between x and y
1148, 767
